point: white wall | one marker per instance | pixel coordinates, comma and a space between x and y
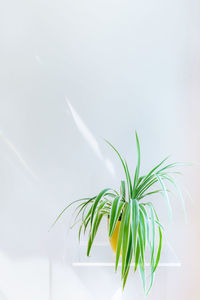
123, 65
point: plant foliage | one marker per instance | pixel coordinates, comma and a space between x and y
140, 227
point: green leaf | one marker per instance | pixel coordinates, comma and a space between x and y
123, 191
147, 222
149, 194
126, 276
142, 273
128, 260
87, 218
159, 249
111, 194
158, 223
125, 238
141, 241
137, 255
115, 219
176, 164
160, 235
129, 183
165, 196
172, 181
152, 277
137, 170
123, 164
143, 228
153, 230
98, 198
94, 231
113, 215
149, 243
152, 245
142, 255
149, 175
85, 223
120, 235
134, 221
58, 217
157, 166
151, 181
83, 206
79, 232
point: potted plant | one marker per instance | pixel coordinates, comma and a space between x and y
133, 223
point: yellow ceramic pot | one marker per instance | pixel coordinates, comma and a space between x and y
114, 238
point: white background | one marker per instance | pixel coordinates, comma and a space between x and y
121, 65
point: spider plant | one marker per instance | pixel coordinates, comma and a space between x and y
140, 227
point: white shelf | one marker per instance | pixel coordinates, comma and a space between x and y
112, 264
102, 256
